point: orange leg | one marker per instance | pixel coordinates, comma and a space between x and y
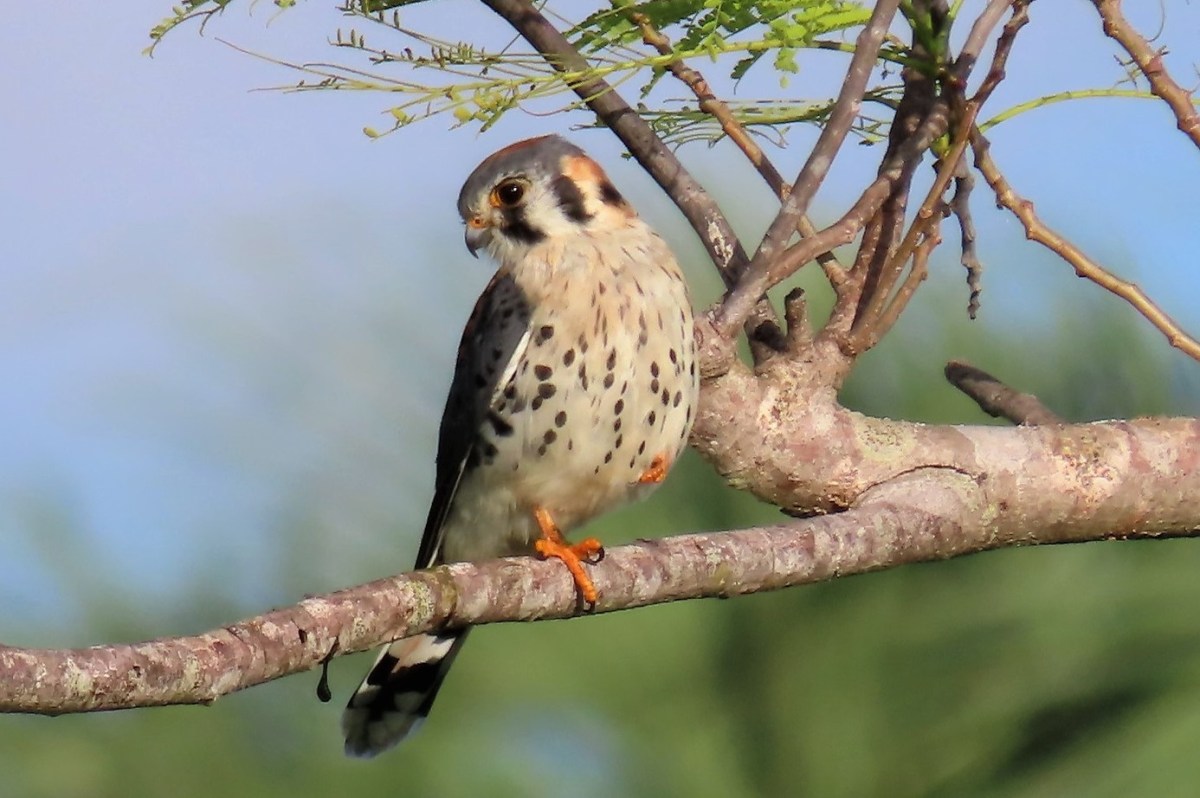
657, 471
553, 544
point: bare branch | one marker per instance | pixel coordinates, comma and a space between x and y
779, 433
874, 321
997, 399
1008, 37
1150, 62
714, 107
849, 102
1084, 266
929, 238
960, 205
977, 38
927, 514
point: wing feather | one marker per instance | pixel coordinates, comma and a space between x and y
491, 347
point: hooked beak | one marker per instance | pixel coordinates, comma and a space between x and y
476, 236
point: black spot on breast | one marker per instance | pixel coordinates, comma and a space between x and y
654, 385
620, 440
650, 419
550, 437
568, 357
611, 363
544, 334
666, 396
677, 399
609, 379
543, 372
617, 425
608, 458
582, 342
619, 407
546, 390
642, 448
673, 355
560, 418
654, 368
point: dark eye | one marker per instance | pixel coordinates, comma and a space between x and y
509, 192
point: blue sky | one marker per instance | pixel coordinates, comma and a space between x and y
224, 309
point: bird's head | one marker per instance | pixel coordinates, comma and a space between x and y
535, 191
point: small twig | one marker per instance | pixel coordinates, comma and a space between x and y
764, 270
877, 317
845, 110
916, 275
711, 105
741, 300
997, 399
1084, 266
960, 205
977, 38
1004, 45
1150, 62
964, 180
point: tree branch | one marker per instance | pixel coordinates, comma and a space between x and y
997, 399
764, 270
710, 104
927, 514
1084, 266
1150, 62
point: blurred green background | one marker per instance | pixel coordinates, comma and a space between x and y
226, 326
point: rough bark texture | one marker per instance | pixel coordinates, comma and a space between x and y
928, 513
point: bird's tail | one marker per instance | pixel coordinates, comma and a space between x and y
398, 692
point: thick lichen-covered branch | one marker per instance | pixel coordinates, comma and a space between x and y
926, 513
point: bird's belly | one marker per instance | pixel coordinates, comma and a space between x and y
586, 469
493, 513
595, 398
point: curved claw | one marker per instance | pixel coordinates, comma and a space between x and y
553, 544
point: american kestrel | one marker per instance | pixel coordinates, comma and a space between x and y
573, 393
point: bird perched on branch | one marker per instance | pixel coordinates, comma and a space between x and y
573, 393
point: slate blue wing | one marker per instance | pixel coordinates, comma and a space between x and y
491, 346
